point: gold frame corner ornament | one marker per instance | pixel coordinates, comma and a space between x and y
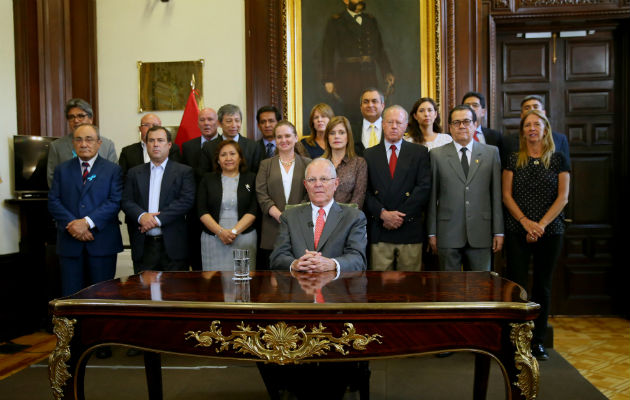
57, 368
282, 344
528, 377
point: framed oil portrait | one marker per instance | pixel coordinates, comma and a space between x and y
401, 54
165, 86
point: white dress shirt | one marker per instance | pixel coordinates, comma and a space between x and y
314, 215
365, 131
155, 186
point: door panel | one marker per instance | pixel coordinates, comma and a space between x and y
576, 78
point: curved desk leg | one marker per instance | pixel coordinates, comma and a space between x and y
523, 371
482, 373
153, 371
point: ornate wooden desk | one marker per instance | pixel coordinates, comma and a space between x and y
274, 318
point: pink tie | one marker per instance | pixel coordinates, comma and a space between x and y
319, 225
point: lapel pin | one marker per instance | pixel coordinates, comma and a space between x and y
477, 160
247, 187
407, 194
91, 178
536, 162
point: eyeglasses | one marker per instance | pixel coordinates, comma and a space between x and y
70, 117
149, 125
322, 180
88, 140
463, 122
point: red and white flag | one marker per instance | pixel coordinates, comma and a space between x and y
189, 127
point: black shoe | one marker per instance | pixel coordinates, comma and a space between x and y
444, 354
131, 352
104, 352
538, 351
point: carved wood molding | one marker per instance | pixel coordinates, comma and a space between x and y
450, 51
285, 65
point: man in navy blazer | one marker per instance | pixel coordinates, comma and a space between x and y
84, 200
208, 123
156, 198
511, 142
399, 185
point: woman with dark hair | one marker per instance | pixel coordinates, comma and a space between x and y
424, 125
227, 207
315, 143
535, 191
279, 182
351, 169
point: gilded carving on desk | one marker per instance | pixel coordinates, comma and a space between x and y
283, 344
57, 368
521, 337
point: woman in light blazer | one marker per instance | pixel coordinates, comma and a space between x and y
279, 182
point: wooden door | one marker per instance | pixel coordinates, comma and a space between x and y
576, 77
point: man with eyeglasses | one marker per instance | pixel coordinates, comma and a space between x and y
136, 154
78, 112
465, 215
84, 200
399, 184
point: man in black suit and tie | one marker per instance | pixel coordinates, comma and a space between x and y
208, 122
136, 154
483, 135
230, 119
267, 118
156, 198
369, 131
399, 186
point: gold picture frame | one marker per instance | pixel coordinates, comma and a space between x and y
165, 86
429, 54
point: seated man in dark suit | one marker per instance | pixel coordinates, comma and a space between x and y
510, 142
136, 154
230, 119
484, 135
323, 238
156, 198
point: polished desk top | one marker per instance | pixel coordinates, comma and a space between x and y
480, 293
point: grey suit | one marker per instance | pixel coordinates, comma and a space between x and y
344, 237
62, 150
270, 192
465, 212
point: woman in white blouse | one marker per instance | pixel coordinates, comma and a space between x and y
424, 125
279, 182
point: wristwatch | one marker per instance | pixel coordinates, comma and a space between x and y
234, 231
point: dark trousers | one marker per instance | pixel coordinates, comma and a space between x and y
85, 270
155, 258
545, 253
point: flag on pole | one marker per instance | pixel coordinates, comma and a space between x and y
189, 127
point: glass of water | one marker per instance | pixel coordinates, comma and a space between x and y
241, 264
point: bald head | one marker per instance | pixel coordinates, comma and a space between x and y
147, 122
208, 123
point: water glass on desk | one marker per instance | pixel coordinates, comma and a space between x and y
241, 264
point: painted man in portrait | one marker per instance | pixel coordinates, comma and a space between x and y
351, 51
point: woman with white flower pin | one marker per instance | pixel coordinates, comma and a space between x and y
227, 207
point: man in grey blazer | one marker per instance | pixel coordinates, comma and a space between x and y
78, 112
321, 235
465, 217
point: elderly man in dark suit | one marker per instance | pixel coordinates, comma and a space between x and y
156, 198
321, 235
136, 154
78, 112
465, 217
208, 122
399, 185
230, 119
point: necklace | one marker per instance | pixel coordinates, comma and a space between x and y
287, 163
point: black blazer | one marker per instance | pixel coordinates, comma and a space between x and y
132, 155
210, 195
407, 192
177, 196
191, 150
494, 138
251, 152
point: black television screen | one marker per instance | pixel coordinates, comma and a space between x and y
30, 158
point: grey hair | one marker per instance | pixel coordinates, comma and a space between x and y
327, 162
98, 133
397, 108
228, 109
372, 89
79, 103
534, 97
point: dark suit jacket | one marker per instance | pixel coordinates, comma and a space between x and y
511, 144
494, 138
191, 151
357, 130
210, 195
177, 195
407, 192
132, 155
99, 199
251, 152
344, 237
